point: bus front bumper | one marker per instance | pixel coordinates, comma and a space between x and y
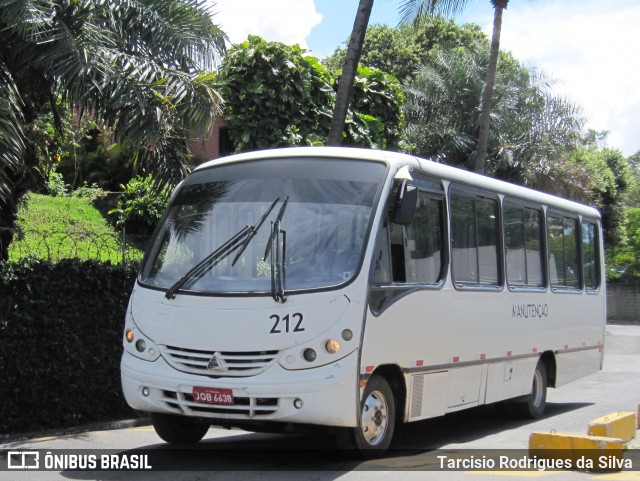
325, 395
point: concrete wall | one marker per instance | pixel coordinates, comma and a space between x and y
623, 303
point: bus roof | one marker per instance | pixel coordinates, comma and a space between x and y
398, 160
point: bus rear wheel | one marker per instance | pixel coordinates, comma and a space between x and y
377, 418
178, 429
533, 405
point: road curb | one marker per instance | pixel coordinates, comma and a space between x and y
100, 426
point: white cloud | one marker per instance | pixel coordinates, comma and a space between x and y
287, 21
593, 51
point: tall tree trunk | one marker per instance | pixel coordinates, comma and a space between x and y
487, 93
343, 98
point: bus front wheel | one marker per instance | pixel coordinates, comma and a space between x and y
178, 429
377, 418
532, 407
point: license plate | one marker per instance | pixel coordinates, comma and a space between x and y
213, 395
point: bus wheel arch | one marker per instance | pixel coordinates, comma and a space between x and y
394, 376
381, 409
532, 406
549, 360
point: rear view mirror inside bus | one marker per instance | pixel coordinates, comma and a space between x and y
405, 205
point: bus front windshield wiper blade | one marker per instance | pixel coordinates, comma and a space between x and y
239, 240
278, 255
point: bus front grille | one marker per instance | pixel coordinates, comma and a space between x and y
243, 407
218, 363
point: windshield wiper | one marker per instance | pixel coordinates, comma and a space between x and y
239, 240
253, 230
278, 255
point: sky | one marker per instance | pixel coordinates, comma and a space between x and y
590, 47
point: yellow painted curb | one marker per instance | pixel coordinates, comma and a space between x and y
618, 425
577, 451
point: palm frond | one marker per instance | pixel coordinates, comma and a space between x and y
413, 11
12, 143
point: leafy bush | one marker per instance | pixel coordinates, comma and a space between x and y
274, 95
375, 119
56, 186
60, 343
86, 191
277, 96
140, 205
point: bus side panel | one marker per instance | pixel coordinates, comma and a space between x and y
431, 387
574, 365
464, 386
506, 380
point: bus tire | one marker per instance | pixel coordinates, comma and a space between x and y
178, 429
532, 406
376, 419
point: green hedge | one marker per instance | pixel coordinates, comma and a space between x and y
60, 343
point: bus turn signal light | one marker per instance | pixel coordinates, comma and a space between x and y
332, 346
129, 335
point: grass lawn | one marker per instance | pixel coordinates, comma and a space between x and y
66, 227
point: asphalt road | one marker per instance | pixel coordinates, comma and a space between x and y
485, 432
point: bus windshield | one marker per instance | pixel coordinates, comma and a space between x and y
227, 224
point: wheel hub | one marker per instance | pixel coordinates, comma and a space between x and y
374, 418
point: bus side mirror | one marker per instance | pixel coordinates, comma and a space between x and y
406, 202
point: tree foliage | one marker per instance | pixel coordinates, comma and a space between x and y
140, 206
375, 118
403, 50
633, 195
275, 96
416, 11
140, 68
532, 130
609, 179
623, 260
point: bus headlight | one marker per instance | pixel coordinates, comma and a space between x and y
332, 346
347, 334
141, 346
309, 355
137, 344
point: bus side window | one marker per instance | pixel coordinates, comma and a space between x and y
524, 245
412, 256
397, 242
382, 268
417, 249
590, 258
562, 233
474, 240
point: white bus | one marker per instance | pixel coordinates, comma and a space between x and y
357, 289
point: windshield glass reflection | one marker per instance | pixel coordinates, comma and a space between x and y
326, 222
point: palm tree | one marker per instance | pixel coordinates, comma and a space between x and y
532, 130
412, 10
349, 70
142, 69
